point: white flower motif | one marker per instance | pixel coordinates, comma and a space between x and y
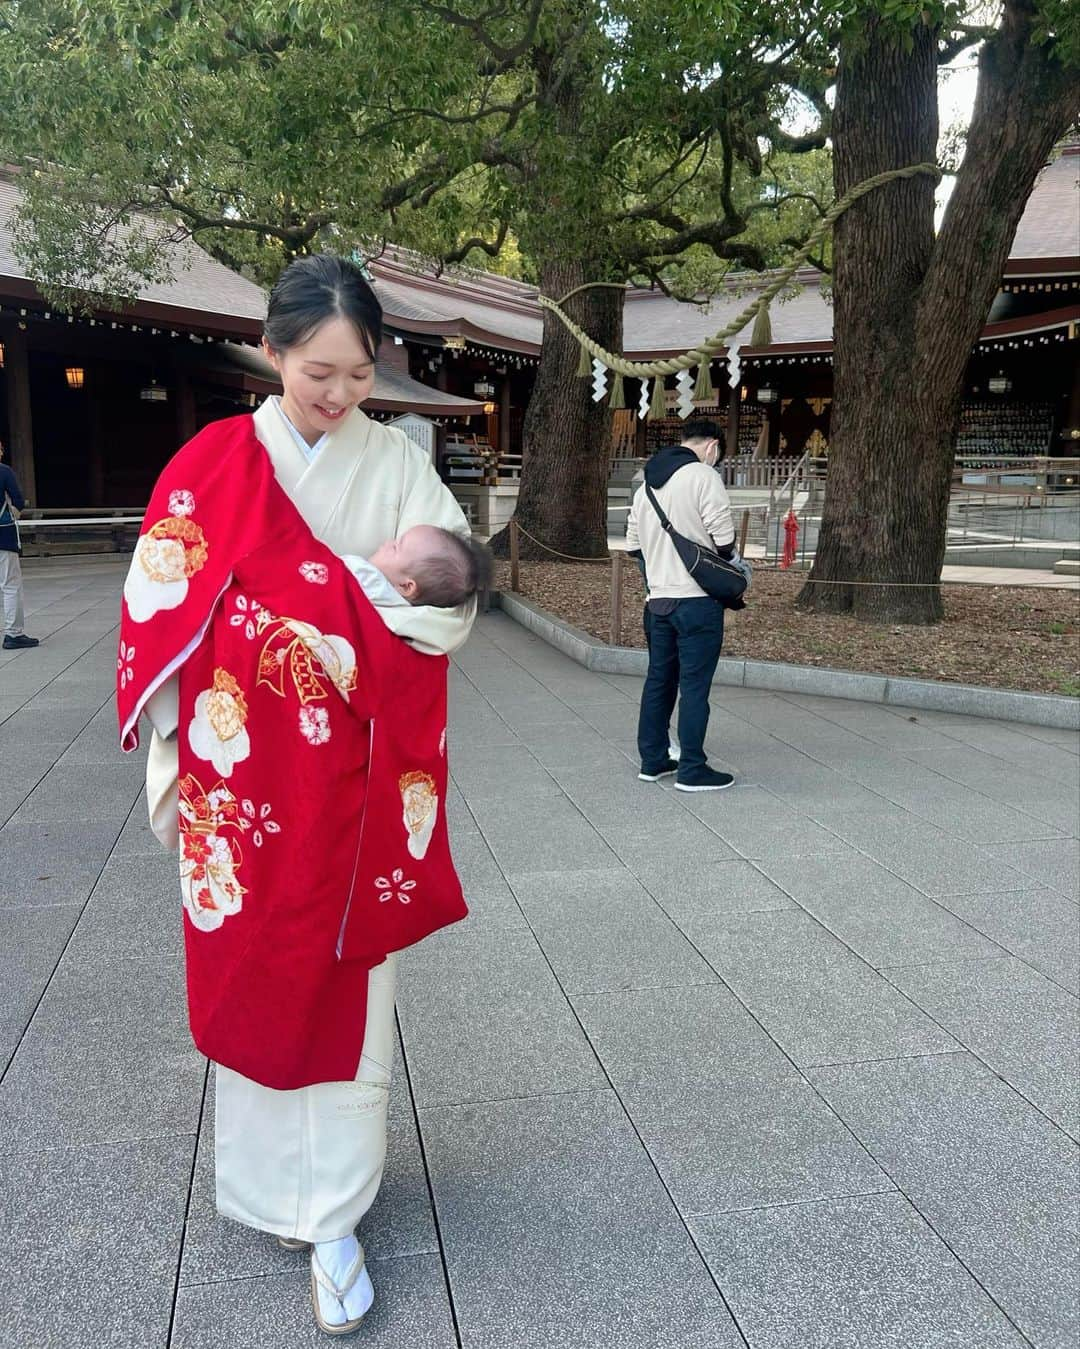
216, 733
316, 572
262, 815
245, 616
181, 502
315, 725
156, 579
124, 662
396, 887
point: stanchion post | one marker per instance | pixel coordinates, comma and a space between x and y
616, 597
744, 530
515, 563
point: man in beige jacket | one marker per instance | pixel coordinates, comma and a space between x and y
683, 625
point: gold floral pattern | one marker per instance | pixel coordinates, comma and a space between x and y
420, 809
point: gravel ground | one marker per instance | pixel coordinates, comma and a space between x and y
1009, 637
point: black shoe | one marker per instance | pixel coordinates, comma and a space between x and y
665, 770
17, 643
703, 780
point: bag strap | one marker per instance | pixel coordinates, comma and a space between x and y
665, 523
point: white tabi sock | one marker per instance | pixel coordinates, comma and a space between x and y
336, 1259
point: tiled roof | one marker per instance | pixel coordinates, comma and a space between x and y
1050, 225
395, 390
200, 285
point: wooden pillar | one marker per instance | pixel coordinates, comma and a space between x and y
95, 385
504, 416
772, 419
734, 405
186, 423
20, 450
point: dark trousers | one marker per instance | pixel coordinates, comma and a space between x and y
684, 647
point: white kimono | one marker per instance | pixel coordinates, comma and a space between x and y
308, 1163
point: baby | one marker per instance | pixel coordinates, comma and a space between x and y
426, 565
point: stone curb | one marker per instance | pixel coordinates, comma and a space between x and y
1037, 709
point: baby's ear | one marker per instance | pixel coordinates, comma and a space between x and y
409, 589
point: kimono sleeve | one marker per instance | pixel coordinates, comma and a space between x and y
426, 500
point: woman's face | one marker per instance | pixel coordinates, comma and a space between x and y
324, 378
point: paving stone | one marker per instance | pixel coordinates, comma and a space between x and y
874, 912
561, 1185
1055, 803
482, 1017
1052, 862
115, 1208
566, 839
689, 887
600, 930
758, 825
28, 728
25, 766
749, 1145
1021, 1025
83, 792
820, 1003
136, 838
31, 942
474, 861
948, 1124
865, 1272
52, 863
1022, 1248
134, 912
492, 773
411, 1308
571, 744
1039, 925
684, 1039
107, 1057
928, 858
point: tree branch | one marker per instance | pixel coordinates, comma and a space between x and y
477, 25
463, 250
295, 236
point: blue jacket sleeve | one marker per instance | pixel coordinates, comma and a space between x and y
9, 486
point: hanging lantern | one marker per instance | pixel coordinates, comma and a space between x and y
1, 355
75, 376
154, 393
767, 395
999, 383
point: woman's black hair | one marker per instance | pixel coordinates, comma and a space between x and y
313, 289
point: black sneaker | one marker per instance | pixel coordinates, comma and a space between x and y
17, 643
665, 770
704, 780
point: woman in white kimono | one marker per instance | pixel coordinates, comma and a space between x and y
306, 1165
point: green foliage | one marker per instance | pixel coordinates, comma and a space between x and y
621, 132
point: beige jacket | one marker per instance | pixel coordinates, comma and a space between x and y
696, 503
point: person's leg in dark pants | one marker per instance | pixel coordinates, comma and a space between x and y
699, 625
661, 688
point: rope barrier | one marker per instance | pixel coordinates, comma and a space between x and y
712, 345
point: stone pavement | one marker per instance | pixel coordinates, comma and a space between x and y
790, 1067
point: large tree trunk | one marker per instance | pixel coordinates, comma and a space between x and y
562, 502
908, 309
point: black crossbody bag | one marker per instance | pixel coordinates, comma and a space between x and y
718, 577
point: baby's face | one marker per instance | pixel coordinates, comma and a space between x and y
397, 558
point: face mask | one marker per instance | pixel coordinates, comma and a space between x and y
712, 456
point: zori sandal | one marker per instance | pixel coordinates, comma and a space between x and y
356, 1276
